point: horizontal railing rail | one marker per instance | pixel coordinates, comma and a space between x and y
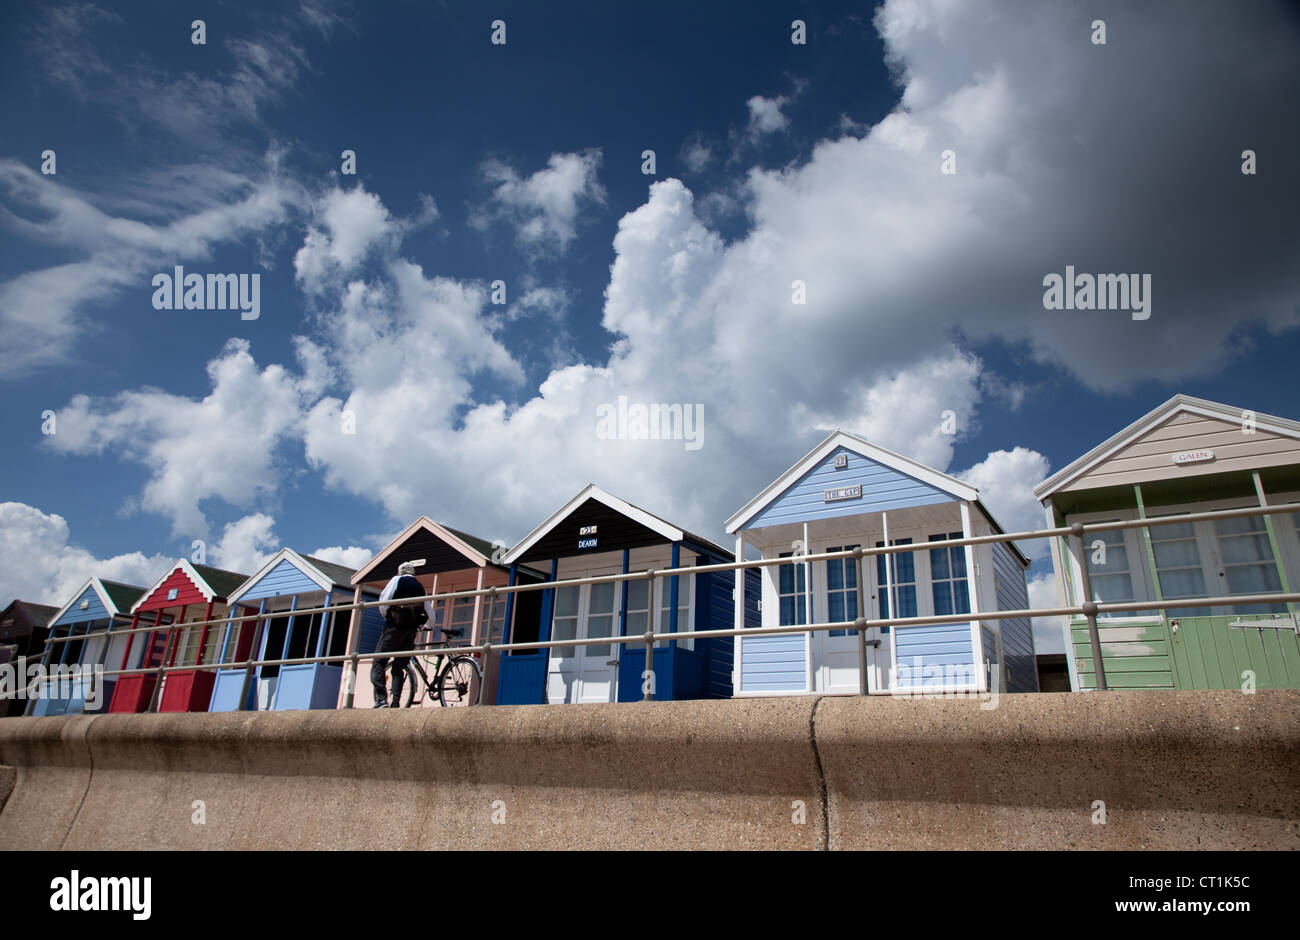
1088, 609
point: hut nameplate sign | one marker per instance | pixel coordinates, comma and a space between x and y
1193, 456
842, 492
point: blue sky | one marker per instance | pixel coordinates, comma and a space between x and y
522, 162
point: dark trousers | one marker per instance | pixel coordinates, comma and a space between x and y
391, 638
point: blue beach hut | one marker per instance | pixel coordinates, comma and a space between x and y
99, 605
846, 493
288, 582
596, 533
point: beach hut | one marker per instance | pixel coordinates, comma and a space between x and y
848, 493
98, 606
593, 534
288, 582
23, 632
1189, 455
187, 594
452, 561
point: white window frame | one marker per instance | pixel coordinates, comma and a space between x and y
1207, 545
1136, 547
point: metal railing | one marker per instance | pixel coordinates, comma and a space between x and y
352, 658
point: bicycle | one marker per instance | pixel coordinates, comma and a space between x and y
456, 681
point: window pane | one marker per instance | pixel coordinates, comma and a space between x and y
1187, 582
602, 598
566, 601
961, 597
943, 598
939, 564
1180, 554
638, 593
602, 625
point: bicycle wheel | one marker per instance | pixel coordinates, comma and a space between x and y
414, 685
459, 682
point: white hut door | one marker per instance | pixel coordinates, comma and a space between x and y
836, 651
583, 673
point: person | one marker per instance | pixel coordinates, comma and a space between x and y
401, 624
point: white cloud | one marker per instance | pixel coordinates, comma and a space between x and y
544, 207
1049, 634
44, 312
223, 446
1006, 481
245, 544
354, 556
348, 226
696, 154
38, 563
76, 46
904, 268
765, 115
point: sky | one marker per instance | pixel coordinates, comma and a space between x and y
441, 319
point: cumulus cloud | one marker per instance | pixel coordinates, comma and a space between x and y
1006, 481
1049, 632
348, 226
903, 271
765, 115
354, 556
224, 445
545, 206
245, 544
39, 563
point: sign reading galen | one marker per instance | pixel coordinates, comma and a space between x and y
842, 492
1193, 456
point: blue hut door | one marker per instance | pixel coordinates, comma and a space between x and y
584, 673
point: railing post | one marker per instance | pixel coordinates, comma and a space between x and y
487, 644
254, 651
1089, 607
647, 687
861, 619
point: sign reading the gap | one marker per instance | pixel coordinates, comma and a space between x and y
1194, 456
842, 492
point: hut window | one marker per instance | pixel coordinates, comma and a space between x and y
684, 583
564, 625
902, 571
948, 577
498, 625
638, 608
1112, 579
791, 591
600, 616
462, 618
1178, 565
841, 589
1248, 564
